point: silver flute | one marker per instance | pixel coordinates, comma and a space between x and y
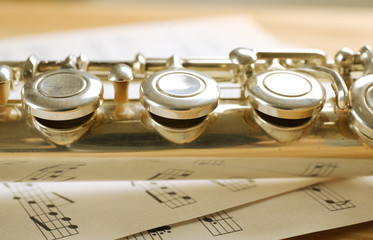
283, 112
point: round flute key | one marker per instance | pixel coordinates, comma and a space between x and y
179, 94
63, 94
61, 85
180, 85
361, 98
286, 94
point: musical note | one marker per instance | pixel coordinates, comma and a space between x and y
43, 210
236, 185
171, 174
219, 223
328, 198
52, 173
5, 164
156, 233
164, 193
317, 169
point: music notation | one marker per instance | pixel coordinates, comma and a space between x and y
153, 234
328, 198
219, 223
43, 210
209, 162
171, 174
319, 169
5, 164
10, 163
235, 185
164, 193
151, 160
52, 173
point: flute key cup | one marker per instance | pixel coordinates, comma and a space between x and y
285, 102
178, 102
62, 103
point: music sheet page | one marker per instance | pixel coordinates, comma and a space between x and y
318, 207
212, 36
120, 168
110, 210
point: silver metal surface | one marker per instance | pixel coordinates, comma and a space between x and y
178, 93
310, 56
6, 76
308, 113
121, 73
30, 66
242, 56
62, 94
338, 84
286, 94
361, 96
366, 57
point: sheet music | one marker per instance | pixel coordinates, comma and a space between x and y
111, 210
333, 204
168, 168
44, 209
212, 36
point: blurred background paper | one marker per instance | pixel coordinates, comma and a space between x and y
213, 36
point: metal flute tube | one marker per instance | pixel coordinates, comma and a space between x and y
303, 54
128, 141
151, 64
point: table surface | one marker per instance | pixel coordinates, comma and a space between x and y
325, 28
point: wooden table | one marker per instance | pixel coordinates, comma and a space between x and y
327, 29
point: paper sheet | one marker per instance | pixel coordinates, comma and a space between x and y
110, 210
315, 208
201, 37
163, 168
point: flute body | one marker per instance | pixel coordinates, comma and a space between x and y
256, 113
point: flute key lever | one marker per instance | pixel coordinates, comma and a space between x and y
121, 75
361, 98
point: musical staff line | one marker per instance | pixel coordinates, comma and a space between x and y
328, 198
236, 185
219, 223
10, 163
43, 210
153, 234
320, 169
52, 173
165, 193
210, 162
171, 174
